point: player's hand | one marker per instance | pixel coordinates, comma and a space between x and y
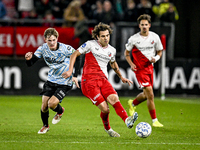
28, 55
75, 80
153, 60
124, 80
133, 67
67, 74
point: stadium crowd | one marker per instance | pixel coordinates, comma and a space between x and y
72, 11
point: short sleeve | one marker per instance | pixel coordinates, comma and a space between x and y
113, 57
129, 45
159, 45
38, 52
84, 48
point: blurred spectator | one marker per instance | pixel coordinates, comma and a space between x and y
82, 32
24, 7
108, 13
86, 7
119, 9
98, 11
49, 19
65, 3
130, 13
170, 15
10, 9
145, 7
166, 11
73, 13
57, 9
2, 10
32, 15
42, 6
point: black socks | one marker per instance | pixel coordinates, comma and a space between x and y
45, 117
58, 109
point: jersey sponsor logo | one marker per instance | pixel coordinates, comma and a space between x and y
145, 48
83, 45
53, 60
97, 55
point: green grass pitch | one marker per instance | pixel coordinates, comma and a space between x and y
81, 126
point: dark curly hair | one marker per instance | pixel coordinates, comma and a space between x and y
100, 27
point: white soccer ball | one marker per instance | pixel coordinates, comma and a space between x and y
143, 129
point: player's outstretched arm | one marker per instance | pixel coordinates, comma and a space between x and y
115, 67
68, 73
30, 58
28, 55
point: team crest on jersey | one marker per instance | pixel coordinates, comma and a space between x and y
83, 45
109, 54
59, 54
152, 41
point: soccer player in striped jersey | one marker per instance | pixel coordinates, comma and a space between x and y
57, 57
94, 82
146, 49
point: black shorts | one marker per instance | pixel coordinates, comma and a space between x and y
58, 90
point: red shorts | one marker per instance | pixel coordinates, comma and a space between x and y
144, 80
97, 90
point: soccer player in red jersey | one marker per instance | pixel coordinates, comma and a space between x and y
146, 49
94, 82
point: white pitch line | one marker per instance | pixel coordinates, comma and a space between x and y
101, 143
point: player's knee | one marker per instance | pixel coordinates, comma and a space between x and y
52, 104
105, 110
151, 96
112, 99
44, 108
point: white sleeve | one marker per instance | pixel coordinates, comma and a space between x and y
38, 52
159, 45
84, 48
129, 45
113, 57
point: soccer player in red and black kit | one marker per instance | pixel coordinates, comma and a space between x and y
94, 82
146, 49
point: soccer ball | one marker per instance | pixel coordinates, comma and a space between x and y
143, 129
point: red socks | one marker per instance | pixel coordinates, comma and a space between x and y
105, 120
120, 110
136, 102
152, 114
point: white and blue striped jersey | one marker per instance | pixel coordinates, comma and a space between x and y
58, 62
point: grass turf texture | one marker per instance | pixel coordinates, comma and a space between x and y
82, 128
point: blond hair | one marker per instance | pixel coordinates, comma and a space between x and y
49, 32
